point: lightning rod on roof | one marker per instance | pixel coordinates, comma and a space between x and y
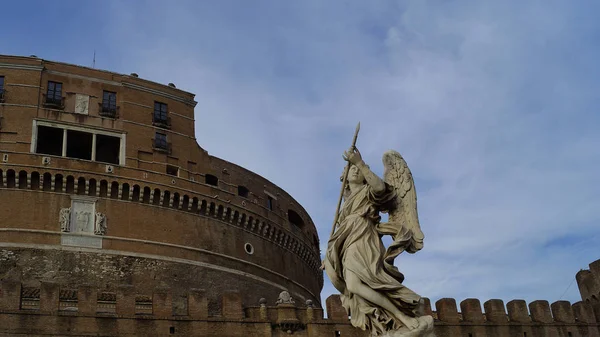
94, 61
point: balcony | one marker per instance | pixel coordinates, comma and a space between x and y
108, 111
164, 123
162, 146
54, 103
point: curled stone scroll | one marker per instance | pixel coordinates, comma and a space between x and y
65, 219
285, 298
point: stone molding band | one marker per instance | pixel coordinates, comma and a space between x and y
113, 176
218, 209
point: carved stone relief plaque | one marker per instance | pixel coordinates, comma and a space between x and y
82, 215
82, 104
81, 225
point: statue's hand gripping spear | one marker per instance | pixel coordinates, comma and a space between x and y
344, 180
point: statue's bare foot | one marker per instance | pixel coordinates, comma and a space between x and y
410, 322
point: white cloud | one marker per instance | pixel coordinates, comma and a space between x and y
493, 119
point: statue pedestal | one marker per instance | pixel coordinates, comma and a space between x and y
425, 329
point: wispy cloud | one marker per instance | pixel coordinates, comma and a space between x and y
492, 104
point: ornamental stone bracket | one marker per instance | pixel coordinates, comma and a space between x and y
287, 319
285, 298
80, 224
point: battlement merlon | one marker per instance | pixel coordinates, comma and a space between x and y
126, 304
126, 301
538, 312
588, 282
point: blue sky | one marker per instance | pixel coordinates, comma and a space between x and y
494, 105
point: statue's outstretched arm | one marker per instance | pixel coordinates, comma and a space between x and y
354, 157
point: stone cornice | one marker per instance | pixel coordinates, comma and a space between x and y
21, 66
189, 102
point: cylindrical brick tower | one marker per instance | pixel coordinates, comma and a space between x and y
103, 183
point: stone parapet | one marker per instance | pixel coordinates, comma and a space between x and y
153, 313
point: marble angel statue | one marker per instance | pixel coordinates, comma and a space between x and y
360, 267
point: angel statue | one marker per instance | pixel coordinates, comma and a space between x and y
359, 265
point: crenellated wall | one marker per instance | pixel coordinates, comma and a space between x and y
589, 286
52, 309
517, 318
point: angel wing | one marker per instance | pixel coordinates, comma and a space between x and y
403, 223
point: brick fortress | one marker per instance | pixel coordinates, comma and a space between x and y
116, 222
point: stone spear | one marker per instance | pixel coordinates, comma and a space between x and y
337, 209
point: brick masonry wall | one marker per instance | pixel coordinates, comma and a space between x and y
56, 310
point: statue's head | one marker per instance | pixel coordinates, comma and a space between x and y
355, 175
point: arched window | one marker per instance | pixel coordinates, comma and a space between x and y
195, 205
166, 198
176, 200
103, 188
146, 195
136, 193
125, 192
92, 187
156, 197
23, 179
10, 178
47, 183
58, 183
81, 186
186, 203
114, 190
35, 180
70, 184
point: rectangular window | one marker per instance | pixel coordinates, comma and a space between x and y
160, 113
79, 144
1, 87
270, 203
160, 141
54, 93
76, 142
49, 140
108, 149
109, 103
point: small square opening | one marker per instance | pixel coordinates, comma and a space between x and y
211, 180
173, 170
243, 191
